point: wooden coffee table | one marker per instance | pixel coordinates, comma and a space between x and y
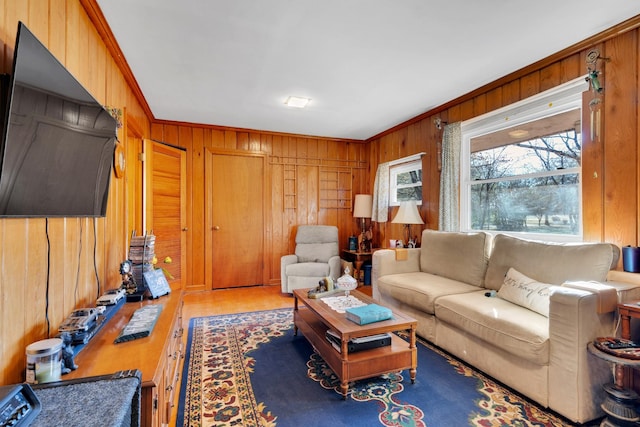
315, 317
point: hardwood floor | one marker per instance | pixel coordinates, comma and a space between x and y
235, 300
238, 300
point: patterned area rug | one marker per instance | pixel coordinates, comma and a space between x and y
250, 370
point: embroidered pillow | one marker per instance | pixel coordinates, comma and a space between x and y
526, 292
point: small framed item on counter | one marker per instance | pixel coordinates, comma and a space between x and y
156, 282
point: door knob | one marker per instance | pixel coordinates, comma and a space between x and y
216, 227
185, 229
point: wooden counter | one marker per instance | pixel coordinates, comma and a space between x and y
159, 356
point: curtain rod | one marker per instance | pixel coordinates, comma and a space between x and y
407, 159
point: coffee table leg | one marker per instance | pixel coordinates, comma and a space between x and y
295, 309
412, 346
344, 388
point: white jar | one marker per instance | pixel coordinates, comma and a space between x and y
44, 361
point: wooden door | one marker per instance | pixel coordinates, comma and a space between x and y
235, 219
165, 210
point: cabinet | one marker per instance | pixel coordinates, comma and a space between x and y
158, 357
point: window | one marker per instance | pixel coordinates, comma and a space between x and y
520, 167
405, 182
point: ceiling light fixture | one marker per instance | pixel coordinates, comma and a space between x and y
518, 133
297, 102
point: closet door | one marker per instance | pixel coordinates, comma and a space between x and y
165, 206
235, 219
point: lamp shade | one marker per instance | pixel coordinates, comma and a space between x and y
408, 214
363, 206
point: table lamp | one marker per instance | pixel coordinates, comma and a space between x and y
408, 214
362, 208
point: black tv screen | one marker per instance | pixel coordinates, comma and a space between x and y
58, 141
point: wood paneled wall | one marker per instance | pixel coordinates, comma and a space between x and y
68, 277
313, 181
611, 165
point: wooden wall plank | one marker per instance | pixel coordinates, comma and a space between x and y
57, 16
186, 140
530, 85
480, 105
550, 76
592, 179
620, 141
14, 273
571, 67
63, 26
637, 128
510, 93
196, 212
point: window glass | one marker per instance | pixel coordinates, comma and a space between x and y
405, 183
521, 173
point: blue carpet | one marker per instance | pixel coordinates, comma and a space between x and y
250, 370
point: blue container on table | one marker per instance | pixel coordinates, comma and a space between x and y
631, 259
367, 274
353, 243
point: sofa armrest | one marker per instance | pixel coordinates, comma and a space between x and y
607, 297
384, 262
575, 376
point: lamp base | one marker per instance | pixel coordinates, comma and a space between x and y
411, 241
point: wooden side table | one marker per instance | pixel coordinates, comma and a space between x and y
620, 402
358, 259
627, 311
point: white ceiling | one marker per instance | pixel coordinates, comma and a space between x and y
367, 65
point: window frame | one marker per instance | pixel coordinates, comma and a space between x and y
554, 101
395, 170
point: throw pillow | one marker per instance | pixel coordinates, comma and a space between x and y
526, 292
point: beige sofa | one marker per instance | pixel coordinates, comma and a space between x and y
541, 354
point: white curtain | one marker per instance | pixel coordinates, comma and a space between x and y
380, 211
450, 178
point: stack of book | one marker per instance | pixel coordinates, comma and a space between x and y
368, 314
358, 344
141, 253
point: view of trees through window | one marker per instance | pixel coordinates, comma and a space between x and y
409, 185
406, 182
528, 186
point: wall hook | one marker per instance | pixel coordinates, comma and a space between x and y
438, 122
593, 56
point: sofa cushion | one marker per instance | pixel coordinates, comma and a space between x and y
526, 292
420, 290
515, 329
457, 256
553, 263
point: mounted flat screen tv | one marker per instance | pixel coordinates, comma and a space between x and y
57, 141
